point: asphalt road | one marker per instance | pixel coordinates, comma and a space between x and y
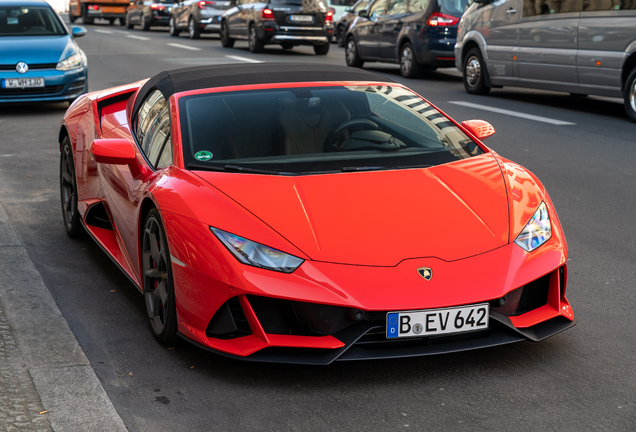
580, 380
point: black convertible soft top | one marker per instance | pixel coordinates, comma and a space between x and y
201, 77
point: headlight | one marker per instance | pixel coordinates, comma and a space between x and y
256, 254
72, 62
537, 231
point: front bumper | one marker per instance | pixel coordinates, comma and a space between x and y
59, 86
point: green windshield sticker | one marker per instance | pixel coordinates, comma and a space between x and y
203, 155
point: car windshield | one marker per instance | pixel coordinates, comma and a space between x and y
29, 21
316, 130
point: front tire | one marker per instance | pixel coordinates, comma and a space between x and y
340, 35
145, 24
68, 192
409, 67
129, 25
256, 45
474, 75
226, 40
321, 49
193, 29
629, 95
157, 280
351, 54
174, 31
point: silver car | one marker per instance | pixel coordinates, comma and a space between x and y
201, 16
581, 47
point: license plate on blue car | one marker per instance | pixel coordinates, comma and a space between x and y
22, 82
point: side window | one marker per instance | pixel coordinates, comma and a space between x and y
360, 6
549, 7
396, 7
153, 130
608, 5
416, 6
377, 9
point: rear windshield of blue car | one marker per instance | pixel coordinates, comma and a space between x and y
30, 21
317, 130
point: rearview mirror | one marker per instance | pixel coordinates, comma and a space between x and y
480, 128
113, 151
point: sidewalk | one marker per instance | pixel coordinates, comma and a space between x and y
46, 381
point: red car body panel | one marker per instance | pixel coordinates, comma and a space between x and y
336, 222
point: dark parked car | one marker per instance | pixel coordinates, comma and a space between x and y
148, 13
347, 18
417, 34
197, 16
285, 22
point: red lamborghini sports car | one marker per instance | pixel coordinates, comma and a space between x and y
306, 214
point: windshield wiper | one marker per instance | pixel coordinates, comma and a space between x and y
234, 168
382, 168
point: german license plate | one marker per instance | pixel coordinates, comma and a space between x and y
301, 18
437, 321
22, 82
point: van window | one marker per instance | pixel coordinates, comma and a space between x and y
548, 7
416, 6
453, 7
608, 5
396, 7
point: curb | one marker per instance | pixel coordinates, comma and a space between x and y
44, 349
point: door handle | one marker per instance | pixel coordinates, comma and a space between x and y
511, 11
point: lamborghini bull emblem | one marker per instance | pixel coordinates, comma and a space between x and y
425, 272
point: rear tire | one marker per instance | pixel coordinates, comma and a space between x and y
629, 94
287, 46
351, 54
111, 21
193, 29
68, 192
174, 31
128, 24
145, 24
226, 40
321, 49
409, 67
474, 73
157, 280
256, 45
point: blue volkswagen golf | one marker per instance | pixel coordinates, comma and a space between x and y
39, 60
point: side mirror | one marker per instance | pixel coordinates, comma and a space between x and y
363, 14
480, 128
77, 31
113, 151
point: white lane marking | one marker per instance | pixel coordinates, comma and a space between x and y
103, 31
137, 37
244, 59
7, 155
513, 113
184, 47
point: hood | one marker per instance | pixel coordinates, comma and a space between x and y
33, 49
450, 212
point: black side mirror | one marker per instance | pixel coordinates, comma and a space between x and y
363, 14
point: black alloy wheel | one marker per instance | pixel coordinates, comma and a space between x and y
256, 46
321, 49
474, 75
629, 95
409, 67
174, 31
157, 280
351, 54
226, 40
68, 192
145, 23
340, 35
129, 25
193, 29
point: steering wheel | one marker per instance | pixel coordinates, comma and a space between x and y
332, 143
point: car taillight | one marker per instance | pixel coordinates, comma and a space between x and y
329, 17
93, 7
204, 4
267, 15
441, 20
154, 6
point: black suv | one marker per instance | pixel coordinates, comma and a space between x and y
285, 22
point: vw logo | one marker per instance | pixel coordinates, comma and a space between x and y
22, 67
425, 272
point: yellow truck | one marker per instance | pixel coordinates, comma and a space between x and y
88, 10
